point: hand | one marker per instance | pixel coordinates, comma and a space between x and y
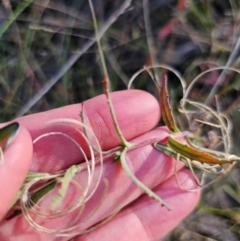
142, 218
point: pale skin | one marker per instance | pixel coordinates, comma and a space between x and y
142, 218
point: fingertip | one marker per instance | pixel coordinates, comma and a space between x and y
181, 196
17, 159
182, 181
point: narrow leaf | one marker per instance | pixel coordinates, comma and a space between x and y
166, 109
66, 180
39, 194
166, 149
195, 154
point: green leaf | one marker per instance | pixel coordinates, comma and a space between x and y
195, 154
66, 180
165, 107
166, 149
39, 194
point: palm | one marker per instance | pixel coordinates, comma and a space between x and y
141, 217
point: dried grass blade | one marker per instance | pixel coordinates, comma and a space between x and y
165, 107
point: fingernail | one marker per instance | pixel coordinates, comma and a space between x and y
8, 134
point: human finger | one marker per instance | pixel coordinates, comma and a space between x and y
149, 165
145, 219
137, 112
17, 159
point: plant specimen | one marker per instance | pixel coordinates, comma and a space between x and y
38, 185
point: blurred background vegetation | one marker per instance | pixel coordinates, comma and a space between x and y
44, 65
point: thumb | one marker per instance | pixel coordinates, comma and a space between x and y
13, 169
